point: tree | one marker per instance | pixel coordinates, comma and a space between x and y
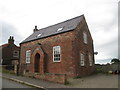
115, 61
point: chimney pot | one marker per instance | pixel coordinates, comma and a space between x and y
35, 29
11, 40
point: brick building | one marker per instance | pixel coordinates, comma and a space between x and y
10, 52
63, 48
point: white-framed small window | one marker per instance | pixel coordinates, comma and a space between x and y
90, 60
16, 54
28, 55
82, 59
56, 54
85, 37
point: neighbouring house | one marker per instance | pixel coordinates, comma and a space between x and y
63, 48
10, 52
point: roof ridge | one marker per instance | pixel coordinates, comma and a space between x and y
69, 24
62, 22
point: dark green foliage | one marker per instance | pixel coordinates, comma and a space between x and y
115, 61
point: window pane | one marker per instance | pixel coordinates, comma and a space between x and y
59, 55
56, 56
85, 38
28, 54
82, 59
54, 59
16, 54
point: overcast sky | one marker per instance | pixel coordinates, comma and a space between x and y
18, 18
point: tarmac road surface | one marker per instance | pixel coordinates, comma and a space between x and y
11, 84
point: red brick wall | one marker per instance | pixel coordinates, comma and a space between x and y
7, 54
79, 46
64, 40
58, 78
71, 44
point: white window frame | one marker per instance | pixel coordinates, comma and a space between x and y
28, 56
16, 53
55, 52
90, 60
85, 37
82, 59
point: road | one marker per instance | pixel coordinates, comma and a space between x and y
95, 81
12, 84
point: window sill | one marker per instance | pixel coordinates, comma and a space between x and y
27, 63
86, 43
83, 66
56, 61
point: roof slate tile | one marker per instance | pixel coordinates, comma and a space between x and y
67, 25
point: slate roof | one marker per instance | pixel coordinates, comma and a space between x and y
67, 25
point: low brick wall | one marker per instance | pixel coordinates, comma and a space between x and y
58, 78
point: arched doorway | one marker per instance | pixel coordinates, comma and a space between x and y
37, 61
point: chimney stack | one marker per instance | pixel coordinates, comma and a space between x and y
35, 29
11, 40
